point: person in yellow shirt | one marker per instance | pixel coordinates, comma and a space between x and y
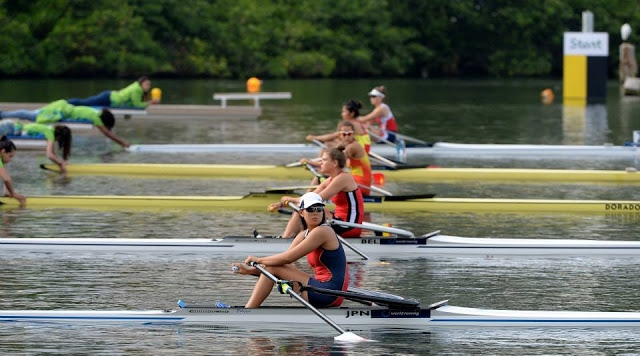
60, 134
350, 111
58, 110
136, 95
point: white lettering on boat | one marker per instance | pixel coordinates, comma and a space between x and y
404, 313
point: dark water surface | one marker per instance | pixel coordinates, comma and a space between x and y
455, 111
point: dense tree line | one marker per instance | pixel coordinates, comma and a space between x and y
298, 38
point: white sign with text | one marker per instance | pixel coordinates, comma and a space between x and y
586, 43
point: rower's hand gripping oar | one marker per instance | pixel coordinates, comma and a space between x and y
285, 288
299, 163
340, 238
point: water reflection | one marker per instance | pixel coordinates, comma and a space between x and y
584, 124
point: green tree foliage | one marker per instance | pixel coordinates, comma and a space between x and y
298, 38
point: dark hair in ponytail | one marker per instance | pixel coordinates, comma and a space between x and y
353, 106
62, 135
7, 145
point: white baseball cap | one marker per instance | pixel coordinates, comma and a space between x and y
376, 92
310, 199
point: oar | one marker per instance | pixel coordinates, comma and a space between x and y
384, 161
374, 188
412, 139
374, 227
315, 172
340, 238
378, 157
285, 288
379, 138
298, 164
399, 135
319, 143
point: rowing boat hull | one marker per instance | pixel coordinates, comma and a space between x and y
362, 318
405, 175
439, 149
373, 247
259, 202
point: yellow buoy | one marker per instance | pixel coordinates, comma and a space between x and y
156, 94
253, 85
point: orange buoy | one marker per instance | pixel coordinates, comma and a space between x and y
253, 85
547, 96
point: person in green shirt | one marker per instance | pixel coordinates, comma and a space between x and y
7, 151
136, 95
58, 110
59, 133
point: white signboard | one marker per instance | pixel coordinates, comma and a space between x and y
594, 44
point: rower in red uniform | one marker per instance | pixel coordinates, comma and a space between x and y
340, 187
381, 115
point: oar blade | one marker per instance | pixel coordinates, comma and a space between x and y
350, 337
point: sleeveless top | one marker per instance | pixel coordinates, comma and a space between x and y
388, 122
349, 206
361, 172
364, 140
329, 265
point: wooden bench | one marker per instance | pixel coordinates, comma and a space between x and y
223, 97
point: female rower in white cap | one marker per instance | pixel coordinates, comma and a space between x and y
324, 252
381, 115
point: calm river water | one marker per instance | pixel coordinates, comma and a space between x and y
455, 111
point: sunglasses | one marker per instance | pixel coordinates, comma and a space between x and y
346, 133
315, 209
